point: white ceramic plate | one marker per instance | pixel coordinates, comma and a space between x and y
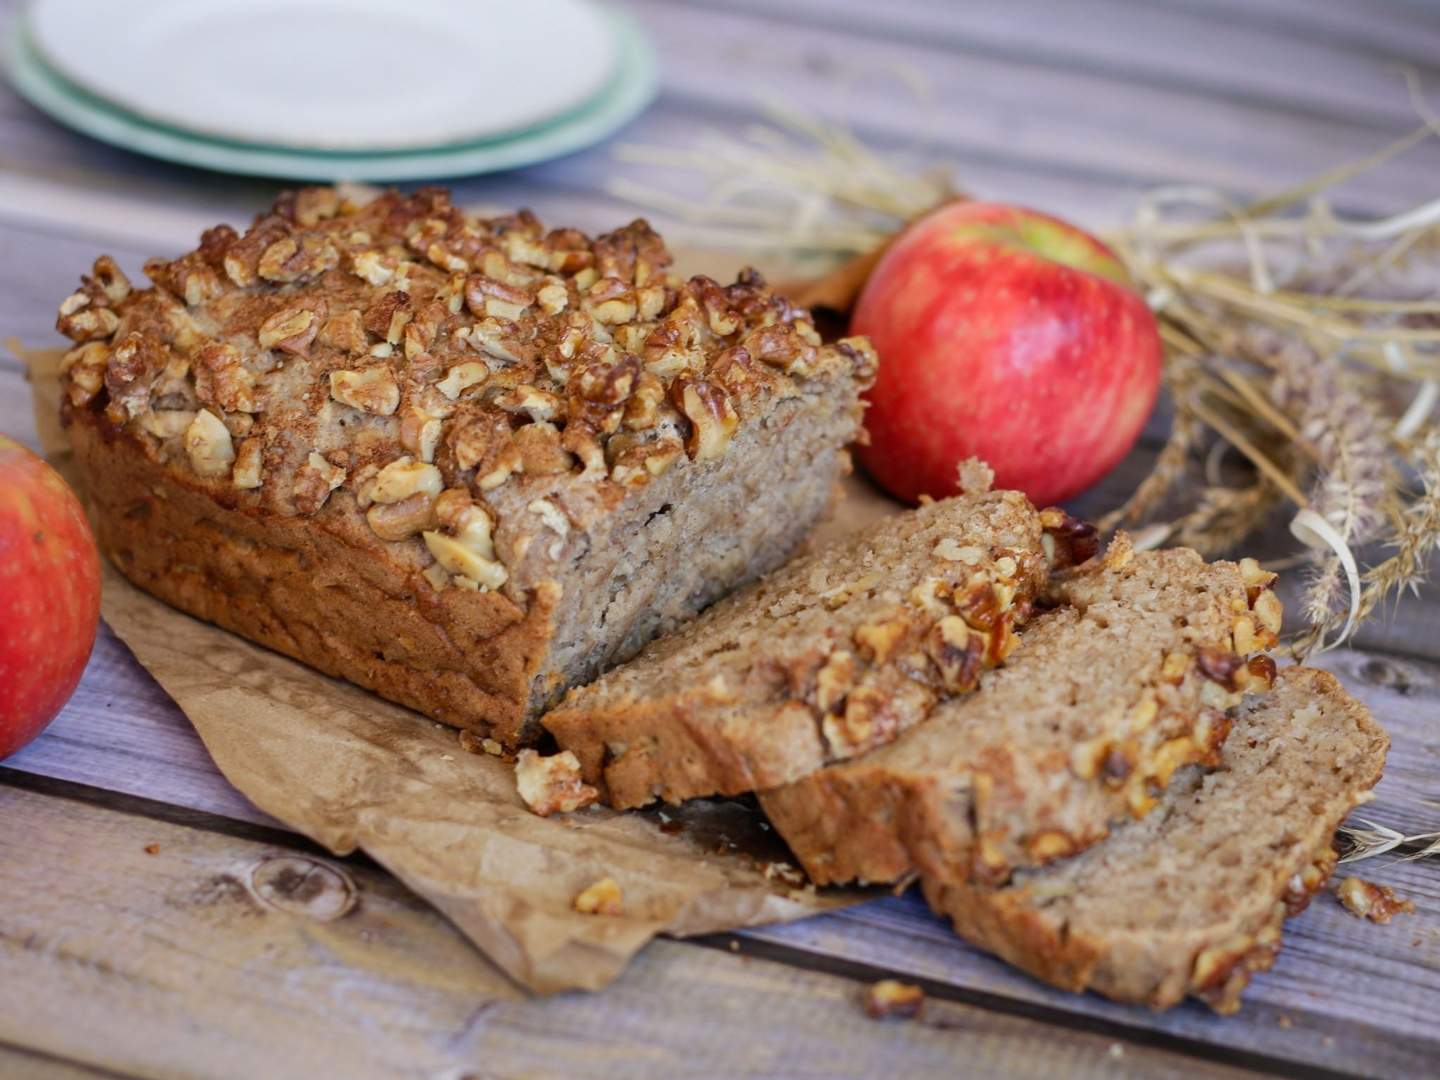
360, 75
632, 89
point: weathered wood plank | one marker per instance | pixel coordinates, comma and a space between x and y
1345, 994
1048, 117
1398, 31
1169, 46
17, 1064
1361, 968
164, 951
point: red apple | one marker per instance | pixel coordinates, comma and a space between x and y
49, 594
1008, 335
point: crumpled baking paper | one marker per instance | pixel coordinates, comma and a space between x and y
354, 772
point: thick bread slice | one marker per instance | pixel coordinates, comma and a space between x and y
834, 654
1191, 899
1105, 698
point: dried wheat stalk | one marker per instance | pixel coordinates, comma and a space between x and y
1307, 342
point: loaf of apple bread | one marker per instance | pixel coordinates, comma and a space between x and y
833, 655
466, 463
1190, 900
1131, 677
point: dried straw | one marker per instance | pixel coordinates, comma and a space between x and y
1305, 340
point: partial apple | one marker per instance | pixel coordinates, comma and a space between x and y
49, 594
1008, 335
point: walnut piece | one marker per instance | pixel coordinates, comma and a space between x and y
315, 482
372, 389
552, 785
401, 479
207, 442
468, 554
1367, 900
249, 464
890, 999
712, 417
602, 898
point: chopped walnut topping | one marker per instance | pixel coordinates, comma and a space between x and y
404, 518
712, 418
249, 464
552, 785
601, 898
167, 424
540, 451
288, 260
401, 479
461, 377
222, 379
372, 389
207, 442
315, 482
291, 329
468, 553
84, 369
420, 433
110, 279
345, 333
80, 322
890, 999
1366, 899
370, 266
498, 351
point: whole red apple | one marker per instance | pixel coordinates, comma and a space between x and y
1008, 335
49, 594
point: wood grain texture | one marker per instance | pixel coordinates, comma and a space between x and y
286, 966
18, 1064
1375, 1012
1074, 107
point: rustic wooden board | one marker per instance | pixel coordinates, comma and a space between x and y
1076, 108
18, 1064
177, 952
143, 746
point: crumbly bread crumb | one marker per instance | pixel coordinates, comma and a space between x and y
1104, 700
1190, 900
833, 655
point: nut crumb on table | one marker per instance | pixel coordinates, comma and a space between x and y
1367, 900
890, 998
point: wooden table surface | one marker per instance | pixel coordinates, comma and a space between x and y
128, 945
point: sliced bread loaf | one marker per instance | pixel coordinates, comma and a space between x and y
831, 656
1108, 695
1191, 899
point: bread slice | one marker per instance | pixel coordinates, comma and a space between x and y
1191, 899
833, 655
465, 462
1106, 697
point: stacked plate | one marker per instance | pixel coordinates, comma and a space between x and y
336, 89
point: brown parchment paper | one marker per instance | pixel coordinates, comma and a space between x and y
353, 771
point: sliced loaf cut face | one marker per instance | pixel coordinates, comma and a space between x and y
1190, 901
834, 654
1106, 697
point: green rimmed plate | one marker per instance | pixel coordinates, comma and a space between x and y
631, 89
